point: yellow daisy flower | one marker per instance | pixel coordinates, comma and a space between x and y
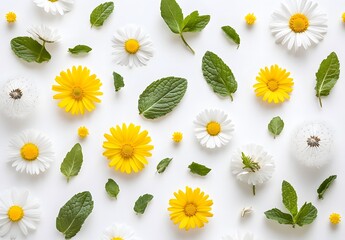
177, 137
190, 209
11, 17
83, 132
250, 18
77, 90
127, 148
335, 218
273, 84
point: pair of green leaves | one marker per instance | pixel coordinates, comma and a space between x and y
101, 13
142, 202
30, 50
72, 163
275, 126
305, 215
172, 14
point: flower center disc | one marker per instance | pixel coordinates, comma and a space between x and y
77, 93
117, 238
53, 0
29, 152
313, 141
15, 213
213, 128
132, 46
16, 94
190, 209
298, 23
272, 85
127, 151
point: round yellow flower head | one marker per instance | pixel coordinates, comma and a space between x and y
83, 132
11, 17
250, 18
177, 137
335, 218
343, 17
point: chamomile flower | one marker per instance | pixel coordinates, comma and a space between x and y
213, 128
119, 232
133, 47
247, 236
18, 210
31, 152
55, 6
253, 165
298, 24
18, 97
45, 33
11, 17
312, 144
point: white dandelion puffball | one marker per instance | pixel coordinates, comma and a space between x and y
18, 98
31, 152
312, 144
119, 232
18, 209
213, 128
132, 47
45, 33
298, 24
246, 236
55, 6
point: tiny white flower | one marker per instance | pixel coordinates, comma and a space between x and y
132, 46
45, 33
246, 236
312, 145
55, 6
18, 97
213, 128
119, 232
246, 210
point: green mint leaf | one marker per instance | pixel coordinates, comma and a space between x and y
289, 198
325, 185
101, 13
232, 34
172, 15
112, 188
199, 169
327, 76
162, 165
276, 126
73, 214
71, 165
161, 97
29, 50
218, 75
306, 214
195, 23
80, 49
118, 81
142, 202
279, 216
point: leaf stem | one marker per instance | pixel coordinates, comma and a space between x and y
254, 190
320, 101
184, 41
39, 55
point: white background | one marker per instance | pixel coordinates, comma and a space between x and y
172, 58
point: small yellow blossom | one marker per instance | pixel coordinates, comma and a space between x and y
83, 132
335, 218
250, 18
343, 17
11, 17
177, 137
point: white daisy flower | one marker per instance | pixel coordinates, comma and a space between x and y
298, 23
18, 97
18, 210
55, 6
119, 232
31, 152
45, 33
213, 128
312, 145
132, 46
246, 236
251, 164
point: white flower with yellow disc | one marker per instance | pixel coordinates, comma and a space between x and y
119, 232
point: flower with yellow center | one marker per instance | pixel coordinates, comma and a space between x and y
190, 209
83, 132
335, 218
127, 148
177, 137
119, 232
273, 84
11, 17
250, 18
55, 6
77, 90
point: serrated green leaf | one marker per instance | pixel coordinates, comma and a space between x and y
306, 214
80, 49
325, 185
195, 23
289, 198
118, 81
327, 76
161, 97
101, 13
199, 169
218, 75
276, 126
279, 216
142, 202
162, 165
172, 15
112, 188
232, 34
74, 213
72, 163
29, 50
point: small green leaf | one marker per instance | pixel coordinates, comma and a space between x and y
141, 203
195, 23
29, 50
218, 75
162, 165
232, 34
118, 81
161, 97
306, 214
327, 76
80, 49
276, 126
72, 163
325, 185
279, 216
73, 214
112, 188
101, 13
199, 169
289, 198
172, 15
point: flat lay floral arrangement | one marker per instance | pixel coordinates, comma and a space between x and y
119, 125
